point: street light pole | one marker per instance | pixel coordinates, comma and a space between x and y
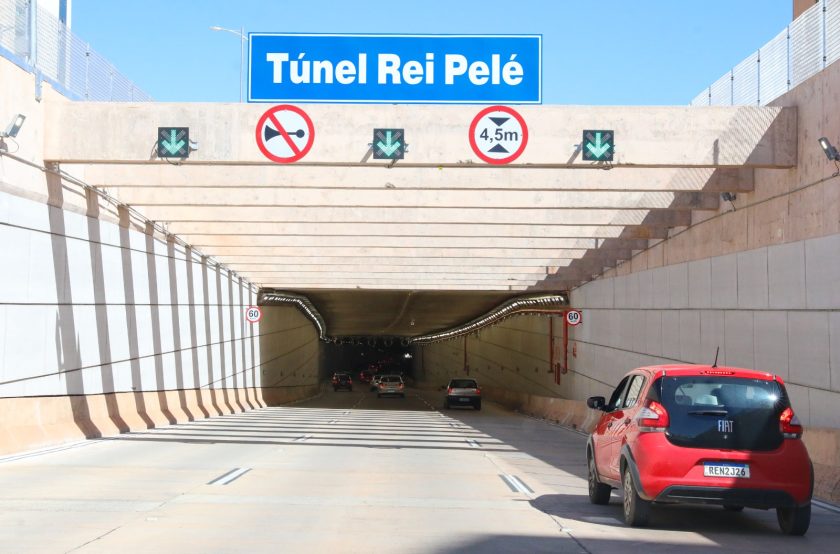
242, 38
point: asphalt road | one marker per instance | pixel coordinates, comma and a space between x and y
350, 472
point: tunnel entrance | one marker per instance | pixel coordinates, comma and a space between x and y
372, 354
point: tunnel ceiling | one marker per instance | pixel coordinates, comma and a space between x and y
399, 313
438, 236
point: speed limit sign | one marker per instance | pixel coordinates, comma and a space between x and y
574, 317
253, 314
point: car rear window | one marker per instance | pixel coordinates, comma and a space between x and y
722, 412
463, 384
391, 378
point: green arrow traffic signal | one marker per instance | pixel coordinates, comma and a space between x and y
173, 142
388, 144
598, 146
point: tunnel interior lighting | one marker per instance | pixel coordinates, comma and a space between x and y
14, 127
829, 149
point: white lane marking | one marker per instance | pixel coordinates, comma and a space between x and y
826, 506
230, 476
332, 422
508, 482
517, 485
303, 438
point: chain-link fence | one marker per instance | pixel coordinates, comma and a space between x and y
802, 49
36, 39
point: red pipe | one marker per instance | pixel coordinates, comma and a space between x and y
551, 347
565, 346
466, 367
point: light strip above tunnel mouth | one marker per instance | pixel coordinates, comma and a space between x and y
538, 303
533, 304
302, 303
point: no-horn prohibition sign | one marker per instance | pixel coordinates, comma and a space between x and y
253, 314
498, 135
285, 134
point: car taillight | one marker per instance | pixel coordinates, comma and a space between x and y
401, 385
653, 417
449, 390
350, 381
478, 391
789, 424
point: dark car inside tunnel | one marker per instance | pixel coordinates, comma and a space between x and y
373, 355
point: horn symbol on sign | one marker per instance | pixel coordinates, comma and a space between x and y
269, 133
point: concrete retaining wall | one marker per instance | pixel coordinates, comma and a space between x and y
107, 324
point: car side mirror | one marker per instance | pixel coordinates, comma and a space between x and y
596, 402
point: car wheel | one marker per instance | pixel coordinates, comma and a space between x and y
478, 405
599, 493
636, 509
794, 520
732, 508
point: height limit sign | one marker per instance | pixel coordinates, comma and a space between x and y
498, 135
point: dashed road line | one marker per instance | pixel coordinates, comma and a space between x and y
826, 506
516, 484
230, 476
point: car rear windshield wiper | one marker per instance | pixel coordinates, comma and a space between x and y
709, 412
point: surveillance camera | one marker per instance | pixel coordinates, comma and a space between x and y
830, 151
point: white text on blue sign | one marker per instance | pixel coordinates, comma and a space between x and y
387, 68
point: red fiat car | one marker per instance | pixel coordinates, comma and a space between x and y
701, 435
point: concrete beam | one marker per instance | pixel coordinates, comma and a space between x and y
539, 216
474, 287
199, 196
437, 135
398, 276
210, 242
484, 177
532, 272
259, 260
365, 229
460, 253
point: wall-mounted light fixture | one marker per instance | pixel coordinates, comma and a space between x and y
830, 151
14, 127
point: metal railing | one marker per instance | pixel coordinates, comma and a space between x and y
36, 40
804, 48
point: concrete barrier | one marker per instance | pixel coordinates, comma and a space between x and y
35, 422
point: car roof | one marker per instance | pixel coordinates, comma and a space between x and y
688, 370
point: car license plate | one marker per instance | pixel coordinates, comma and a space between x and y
463, 400
741, 471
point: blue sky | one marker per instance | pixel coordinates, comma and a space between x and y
595, 52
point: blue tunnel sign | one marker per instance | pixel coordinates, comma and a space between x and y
474, 69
